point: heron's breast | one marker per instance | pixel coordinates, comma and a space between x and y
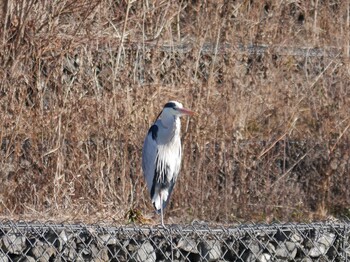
170, 153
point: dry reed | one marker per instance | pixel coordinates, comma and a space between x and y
81, 82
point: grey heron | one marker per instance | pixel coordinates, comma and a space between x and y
161, 154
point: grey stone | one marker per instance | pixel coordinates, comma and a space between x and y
176, 254
347, 251
327, 239
99, 254
71, 252
85, 250
264, 257
62, 239
271, 248
306, 259
322, 244
230, 249
145, 253
42, 251
255, 251
58, 259
14, 244
29, 259
282, 252
3, 257
296, 238
287, 250
188, 245
107, 239
317, 251
255, 247
210, 250
250, 258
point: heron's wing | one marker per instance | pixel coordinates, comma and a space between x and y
149, 156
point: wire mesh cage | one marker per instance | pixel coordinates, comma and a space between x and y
37, 241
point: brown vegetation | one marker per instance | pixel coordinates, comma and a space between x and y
81, 82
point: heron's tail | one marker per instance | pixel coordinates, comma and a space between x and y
161, 198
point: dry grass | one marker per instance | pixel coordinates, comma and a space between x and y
81, 82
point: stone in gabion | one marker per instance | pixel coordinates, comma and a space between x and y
14, 244
3, 257
287, 250
42, 251
145, 253
210, 250
188, 245
322, 244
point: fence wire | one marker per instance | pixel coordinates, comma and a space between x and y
35, 241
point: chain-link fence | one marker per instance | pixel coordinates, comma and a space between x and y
23, 241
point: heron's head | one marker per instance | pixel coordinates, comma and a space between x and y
175, 108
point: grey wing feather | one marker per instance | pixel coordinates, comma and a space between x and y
149, 156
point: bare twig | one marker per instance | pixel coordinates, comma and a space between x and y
291, 168
120, 48
339, 137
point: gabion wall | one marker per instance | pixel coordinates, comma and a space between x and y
34, 241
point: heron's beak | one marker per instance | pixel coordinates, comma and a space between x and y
185, 111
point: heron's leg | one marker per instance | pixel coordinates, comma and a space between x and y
161, 209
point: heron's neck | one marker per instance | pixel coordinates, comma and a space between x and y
168, 121
172, 126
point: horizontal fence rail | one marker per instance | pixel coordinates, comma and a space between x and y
103, 44
210, 48
45, 241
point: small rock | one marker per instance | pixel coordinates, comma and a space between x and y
255, 248
265, 257
250, 258
322, 244
210, 250
60, 241
347, 251
29, 259
176, 254
271, 248
296, 238
70, 252
108, 239
292, 248
42, 252
287, 250
282, 252
188, 245
14, 244
317, 250
306, 259
99, 254
327, 239
63, 237
58, 259
253, 251
3, 257
145, 253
